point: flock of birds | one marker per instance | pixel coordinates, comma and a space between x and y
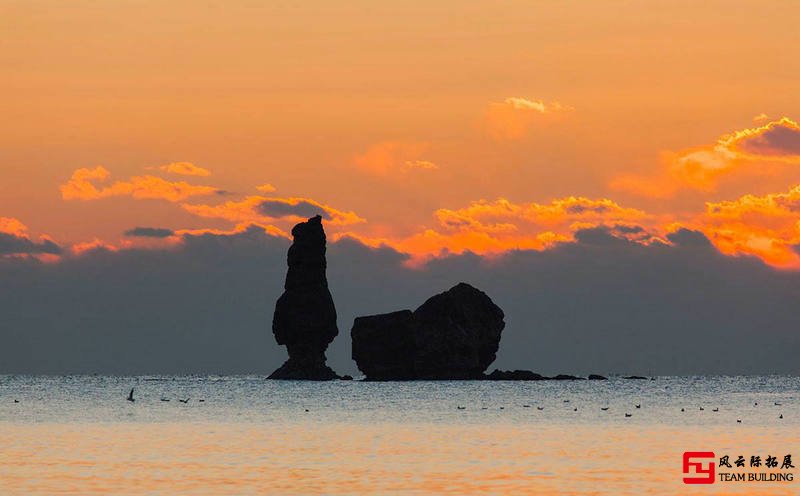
627, 414
184, 401
460, 407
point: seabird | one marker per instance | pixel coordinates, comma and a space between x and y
540, 408
701, 408
306, 409
715, 409
777, 404
604, 409
628, 415
184, 401
576, 409
502, 408
639, 405
566, 401
756, 403
461, 407
130, 396
738, 421
16, 401
201, 401
683, 410
526, 406
164, 399
781, 416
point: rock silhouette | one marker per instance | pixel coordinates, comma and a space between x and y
527, 375
515, 375
453, 335
305, 316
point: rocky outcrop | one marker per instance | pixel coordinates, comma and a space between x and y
566, 377
514, 375
453, 335
596, 377
305, 317
527, 375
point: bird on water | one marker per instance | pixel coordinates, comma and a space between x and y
130, 396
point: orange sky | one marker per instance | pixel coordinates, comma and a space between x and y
424, 125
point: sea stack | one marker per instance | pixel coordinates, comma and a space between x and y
305, 317
453, 335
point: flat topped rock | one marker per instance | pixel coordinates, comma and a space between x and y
453, 335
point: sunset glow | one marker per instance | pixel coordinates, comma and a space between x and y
486, 143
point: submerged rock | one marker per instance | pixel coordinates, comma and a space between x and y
305, 317
566, 377
514, 375
453, 335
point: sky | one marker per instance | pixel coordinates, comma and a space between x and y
534, 135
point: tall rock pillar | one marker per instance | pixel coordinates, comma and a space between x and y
305, 317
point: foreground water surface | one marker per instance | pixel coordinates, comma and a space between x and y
248, 435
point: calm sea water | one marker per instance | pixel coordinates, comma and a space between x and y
248, 435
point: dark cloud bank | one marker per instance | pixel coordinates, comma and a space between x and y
602, 305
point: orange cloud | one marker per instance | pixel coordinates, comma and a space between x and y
10, 225
391, 157
779, 138
765, 226
512, 118
81, 186
79, 249
185, 169
15, 242
266, 188
756, 151
492, 227
238, 229
260, 209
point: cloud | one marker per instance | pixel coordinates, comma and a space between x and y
518, 103
688, 237
777, 138
420, 164
94, 246
512, 118
81, 186
266, 188
757, 151
277, 208
15, 241
185, 169
260, 209
149, 232
19, 245
487, 227
393, 157
600, 304
766, 226
13, 226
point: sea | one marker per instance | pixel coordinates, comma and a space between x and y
235, 435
